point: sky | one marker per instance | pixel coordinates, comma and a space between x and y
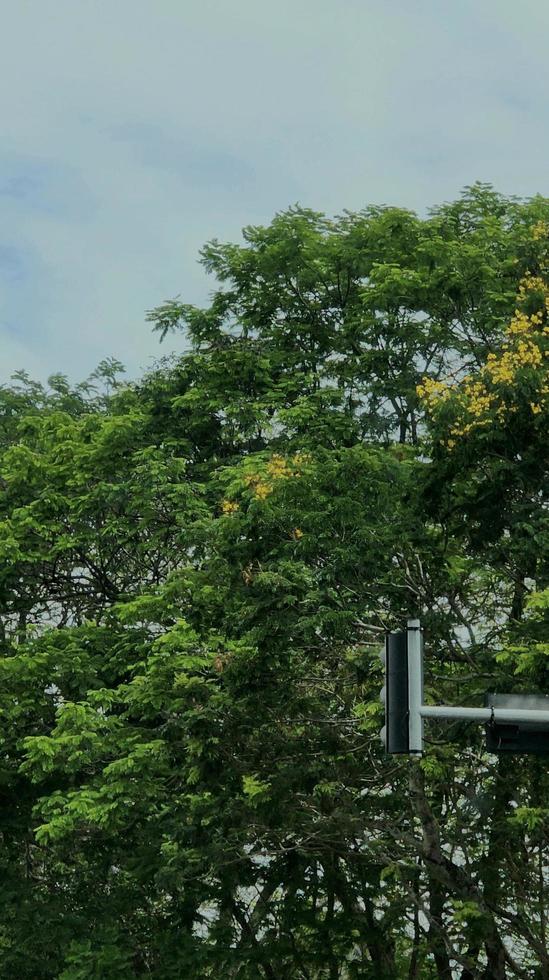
133, 131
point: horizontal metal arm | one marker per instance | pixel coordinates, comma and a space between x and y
511, 716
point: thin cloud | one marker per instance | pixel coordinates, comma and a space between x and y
133, 132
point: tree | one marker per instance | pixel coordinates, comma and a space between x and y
198, 569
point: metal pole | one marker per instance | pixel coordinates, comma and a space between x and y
510, 715
415, 685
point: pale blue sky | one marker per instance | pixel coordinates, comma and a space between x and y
135, 130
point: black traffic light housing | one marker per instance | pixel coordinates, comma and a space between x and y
531, 738
403, 691
396, 694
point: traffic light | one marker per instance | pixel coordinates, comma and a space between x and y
514, 722
403, 691
531, 738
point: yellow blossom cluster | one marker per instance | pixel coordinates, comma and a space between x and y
502, 369
263, 483
261, 489
531, 289
229, 506
301, 459
278, 468
531, 283
489, 395
520, 324
479, 400
432, 391
539, 230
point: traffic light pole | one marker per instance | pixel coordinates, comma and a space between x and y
509, 716
415, 685
405, 710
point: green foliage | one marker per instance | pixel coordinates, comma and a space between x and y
196, 573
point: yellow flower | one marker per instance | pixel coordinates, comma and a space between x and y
539, 230
278, 468
521, 324
229, 506
262, 490
432, 391
297, 533
531, 283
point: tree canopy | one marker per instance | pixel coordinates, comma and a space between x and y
197, 572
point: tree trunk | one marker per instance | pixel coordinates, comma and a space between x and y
433, 856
